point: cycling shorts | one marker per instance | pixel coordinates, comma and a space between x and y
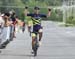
37, 29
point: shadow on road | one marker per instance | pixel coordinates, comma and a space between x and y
16, 55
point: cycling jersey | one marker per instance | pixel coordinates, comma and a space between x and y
27, 18
36, 19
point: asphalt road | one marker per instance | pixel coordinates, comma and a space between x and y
57, 43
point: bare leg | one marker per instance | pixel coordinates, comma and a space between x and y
33, 41
40, 36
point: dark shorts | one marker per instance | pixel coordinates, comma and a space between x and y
36, 28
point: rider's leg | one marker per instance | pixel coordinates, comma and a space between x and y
33, 39
29, 28
24, 24
40, 34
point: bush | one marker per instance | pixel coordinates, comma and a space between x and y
70, 20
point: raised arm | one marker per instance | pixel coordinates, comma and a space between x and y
49, 12
46, 15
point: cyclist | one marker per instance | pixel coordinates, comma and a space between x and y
28, 20
37, 28
24, 18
